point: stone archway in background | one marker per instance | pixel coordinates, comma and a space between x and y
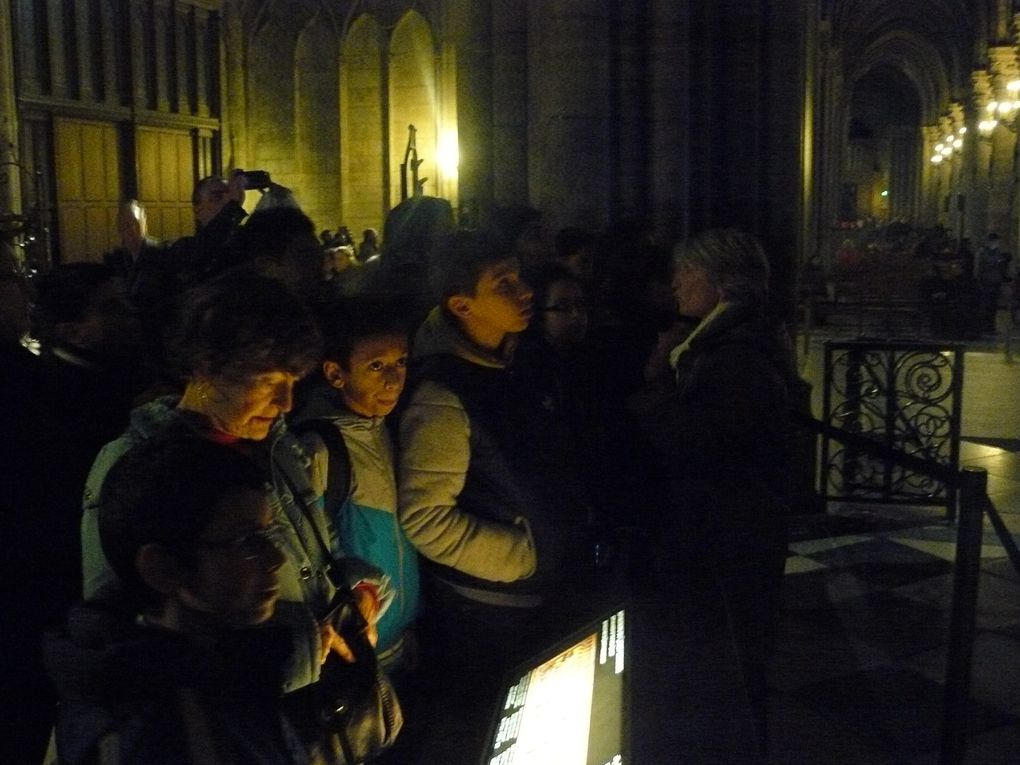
316, 128
413, 100
363, 160
881, 167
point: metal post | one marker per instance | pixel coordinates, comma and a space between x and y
960, 652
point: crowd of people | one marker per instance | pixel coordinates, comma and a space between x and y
476, 438
958, 290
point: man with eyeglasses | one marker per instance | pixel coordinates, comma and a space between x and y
178, 660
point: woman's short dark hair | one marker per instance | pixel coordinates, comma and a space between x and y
166, 491
243, 324
457, 261
734, 261
347, 320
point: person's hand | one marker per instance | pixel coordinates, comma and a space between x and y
332, 641
657, 367
235, 186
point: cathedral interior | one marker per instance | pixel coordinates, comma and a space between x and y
789, 118
817, 125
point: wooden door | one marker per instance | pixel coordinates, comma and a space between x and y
88, 187
166, 177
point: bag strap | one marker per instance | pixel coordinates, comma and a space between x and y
338, 472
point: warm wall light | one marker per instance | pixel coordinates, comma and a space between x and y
448, 154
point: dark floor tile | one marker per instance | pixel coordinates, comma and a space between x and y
900, 710
1002, 568
883, 563
895, 624
814, 645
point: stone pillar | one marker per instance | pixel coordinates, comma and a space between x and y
162, 19
475, 78
831, 143
57, 48
569, 175
232, 81
510, 101
629, 111
85, 42
668, 118
10, 186
981, 149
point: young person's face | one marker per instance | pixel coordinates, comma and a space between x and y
234, 576
565, 314
502, 300
373, 378
246, 407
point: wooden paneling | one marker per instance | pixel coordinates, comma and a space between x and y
165, 180
88, 187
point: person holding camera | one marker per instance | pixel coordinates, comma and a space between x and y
218, 205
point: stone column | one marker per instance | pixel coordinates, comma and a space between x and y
162, 55
668, 118
10, 186
981, 149
569, 174
475, 78
629, 112
510, 101
831, 143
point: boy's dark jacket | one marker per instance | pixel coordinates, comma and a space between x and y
485, 494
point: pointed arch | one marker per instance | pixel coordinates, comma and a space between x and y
363, 158
413, 99
316, 128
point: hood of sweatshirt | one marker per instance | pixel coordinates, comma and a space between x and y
440, 334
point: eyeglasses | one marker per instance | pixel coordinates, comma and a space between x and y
249, 545
566, 308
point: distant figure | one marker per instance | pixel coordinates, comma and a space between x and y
369, 246
990, 272
524, 230
218, 205
574, 251
135, 245
280, 243
58, 410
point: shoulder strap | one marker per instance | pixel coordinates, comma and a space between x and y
338, 473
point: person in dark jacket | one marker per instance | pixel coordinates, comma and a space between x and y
175, 663
722, 434
498, 527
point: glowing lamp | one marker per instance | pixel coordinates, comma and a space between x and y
448, 153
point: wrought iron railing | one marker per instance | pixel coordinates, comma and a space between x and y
969, 487
904, 396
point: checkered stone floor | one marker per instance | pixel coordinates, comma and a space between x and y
860, 659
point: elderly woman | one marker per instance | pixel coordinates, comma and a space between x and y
721, 433
243, 341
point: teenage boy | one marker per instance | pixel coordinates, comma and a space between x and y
174, 662
481, 495
362, 377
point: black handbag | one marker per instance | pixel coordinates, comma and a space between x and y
356, 701
353, 702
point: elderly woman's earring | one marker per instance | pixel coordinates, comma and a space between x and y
338, 384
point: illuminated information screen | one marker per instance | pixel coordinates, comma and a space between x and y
568, 709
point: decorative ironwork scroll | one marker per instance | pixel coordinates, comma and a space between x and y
905, 396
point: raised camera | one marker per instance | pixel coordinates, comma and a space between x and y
256, 179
